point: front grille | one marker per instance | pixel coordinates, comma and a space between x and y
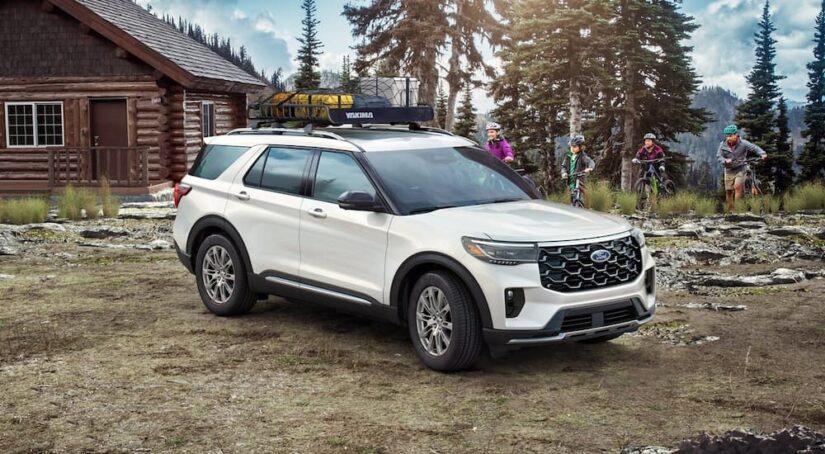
600, 316
570, 268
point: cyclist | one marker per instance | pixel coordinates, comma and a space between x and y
650, 151
733, 154
497, 144
576, 161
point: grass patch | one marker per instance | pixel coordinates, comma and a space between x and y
771, 204
627, 202
756, 204
74, 201
599, 196
681, 203
109, 204
704, 206
559, 197
809, 196
28, 210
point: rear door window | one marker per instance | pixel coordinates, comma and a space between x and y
215, 159
283, 170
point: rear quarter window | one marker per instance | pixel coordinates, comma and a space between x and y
215, 159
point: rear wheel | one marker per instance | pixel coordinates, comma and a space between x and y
221, 278
444, 325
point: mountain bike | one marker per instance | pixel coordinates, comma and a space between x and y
752, 186
654, 182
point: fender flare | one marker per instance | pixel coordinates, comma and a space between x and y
441, 261
217, 222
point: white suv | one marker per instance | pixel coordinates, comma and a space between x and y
414, 226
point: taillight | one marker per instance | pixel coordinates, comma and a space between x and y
180, 191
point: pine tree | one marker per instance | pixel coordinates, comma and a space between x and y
441, 108
466, 124
756, 116
812, 159
346, 75
782, 169
276, 81
308, 77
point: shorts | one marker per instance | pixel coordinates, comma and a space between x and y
732, 179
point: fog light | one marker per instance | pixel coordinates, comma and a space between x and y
650, 281
513, 302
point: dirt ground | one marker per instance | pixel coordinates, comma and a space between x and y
107, 350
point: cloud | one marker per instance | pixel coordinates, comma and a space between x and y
723, 45
269, 45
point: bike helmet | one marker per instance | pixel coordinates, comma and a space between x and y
577, 139
493, 125
650, 136
731, 129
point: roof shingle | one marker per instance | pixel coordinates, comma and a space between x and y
180, 49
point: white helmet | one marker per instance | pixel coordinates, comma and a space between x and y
493, 125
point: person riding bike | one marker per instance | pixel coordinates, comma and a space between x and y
733, 154
496, 144
650, 151
576, 161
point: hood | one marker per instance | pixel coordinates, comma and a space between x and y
532, 221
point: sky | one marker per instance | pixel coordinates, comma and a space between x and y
723, 44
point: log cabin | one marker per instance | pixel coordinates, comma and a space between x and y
103, 88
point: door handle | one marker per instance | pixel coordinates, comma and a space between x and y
242, 195
317, 213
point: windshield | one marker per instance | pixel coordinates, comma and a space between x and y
425, 180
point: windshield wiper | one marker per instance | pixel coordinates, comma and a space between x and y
511, 199
431, 209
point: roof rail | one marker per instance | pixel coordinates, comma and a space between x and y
307, 131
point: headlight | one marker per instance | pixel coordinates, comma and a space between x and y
501, 253
640, 237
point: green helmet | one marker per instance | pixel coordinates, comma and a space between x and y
731, 129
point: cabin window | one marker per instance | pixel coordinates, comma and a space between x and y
34, 124
208, 119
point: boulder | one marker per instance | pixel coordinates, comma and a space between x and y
8, 244
780, 276
787, 231
104, 232
717, 307
51, 226
156, 245
744, 217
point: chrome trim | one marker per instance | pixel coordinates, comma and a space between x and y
562, 336
597, 239
322, 291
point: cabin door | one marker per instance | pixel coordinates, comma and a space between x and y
110, 137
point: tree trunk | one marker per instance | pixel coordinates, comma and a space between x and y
575, 107
629, 128
454, 75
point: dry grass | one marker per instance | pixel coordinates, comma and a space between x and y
627, 202
681, 203
704, 206
559, 197
599, 196
809, 196
74, 202
26, 210
110, 204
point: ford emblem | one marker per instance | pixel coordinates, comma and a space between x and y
600, 256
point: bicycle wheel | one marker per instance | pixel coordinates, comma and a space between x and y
643, 191
668, 188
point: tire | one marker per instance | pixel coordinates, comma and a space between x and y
464, 340
669, 188
643, 191
601, 339
227, 292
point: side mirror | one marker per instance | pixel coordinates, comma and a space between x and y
359, 201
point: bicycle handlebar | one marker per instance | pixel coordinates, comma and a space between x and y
648, 161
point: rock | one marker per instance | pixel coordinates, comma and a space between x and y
8, 244
820, 234
104, 232
691, 229
6, 277
648, 450
103, 245
705, 255
661, 233
156, 245
797, 439
752, 225
787, 231
743, 217
779, 277
148, 205
717, 307
136, 213
51, 226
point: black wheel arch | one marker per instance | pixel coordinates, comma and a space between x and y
214, 224
422, 263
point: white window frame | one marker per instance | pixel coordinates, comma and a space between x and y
214, 131
34, 105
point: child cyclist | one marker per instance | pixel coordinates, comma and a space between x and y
497, 145
575, 162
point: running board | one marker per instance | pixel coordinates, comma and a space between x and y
318, 290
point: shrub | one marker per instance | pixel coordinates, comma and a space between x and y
793, 203
69, 205
741, 206
704, 206
771, 204
89, 203
812, 196
627, 202
28, 210
559, 197
755, 204
681, 203
110, 204
599, 196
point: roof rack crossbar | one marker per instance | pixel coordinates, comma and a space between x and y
290, 131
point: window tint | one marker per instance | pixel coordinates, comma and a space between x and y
284, 169
215, 159
253, 177
337, 174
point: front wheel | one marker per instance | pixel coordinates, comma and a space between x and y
444, 325
669, 188
643, 191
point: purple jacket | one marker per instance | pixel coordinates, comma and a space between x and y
648, 155
499, 148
